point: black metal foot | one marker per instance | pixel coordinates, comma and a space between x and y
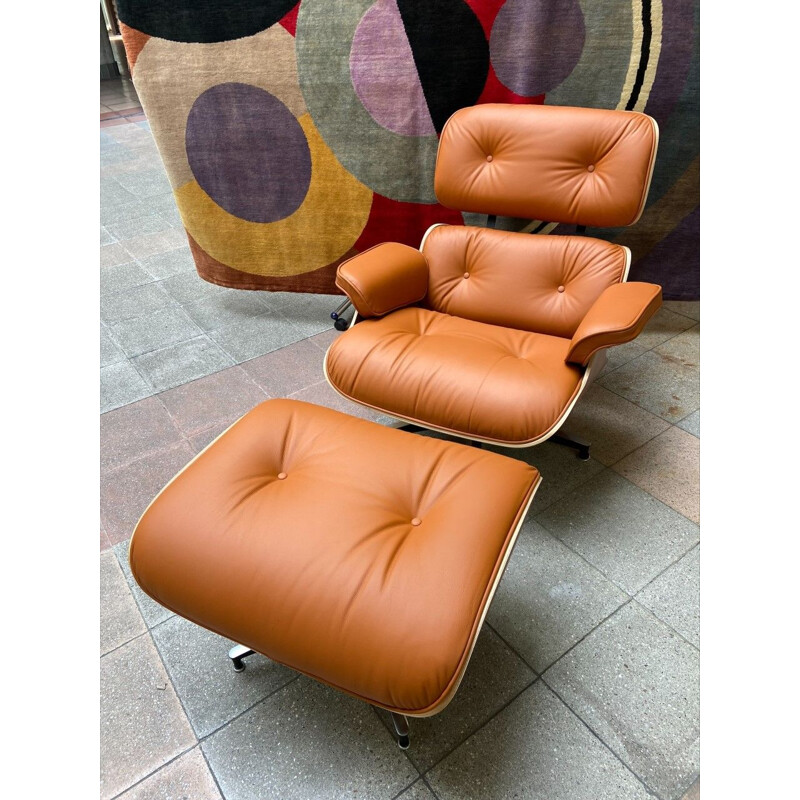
237, 654
400, 723
341, 324
581, 448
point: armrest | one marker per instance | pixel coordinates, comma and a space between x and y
616, 317
384, 278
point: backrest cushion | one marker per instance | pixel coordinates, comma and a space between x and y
584, 166
544, 284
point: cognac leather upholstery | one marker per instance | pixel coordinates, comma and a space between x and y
384, 278
585, 166
362, 556
617, 316
504, 340
535, 283
464, 377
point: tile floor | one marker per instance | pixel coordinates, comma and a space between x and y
584, 683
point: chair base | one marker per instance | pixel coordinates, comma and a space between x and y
239, 652
579, 445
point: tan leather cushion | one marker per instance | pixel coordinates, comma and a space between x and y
536, 283
323, 569
462, 376
585, 166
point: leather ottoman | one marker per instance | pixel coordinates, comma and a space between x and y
362, 556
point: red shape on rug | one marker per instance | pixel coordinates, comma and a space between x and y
289, 21
393, 221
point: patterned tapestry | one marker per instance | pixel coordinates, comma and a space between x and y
296, 135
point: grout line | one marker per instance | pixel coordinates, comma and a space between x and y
478, 729
641, 780
666, 624
157, 769
430, 788
210, 771
132, 639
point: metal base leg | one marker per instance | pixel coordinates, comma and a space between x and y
237, 654
411, 428
576, 444
400, 723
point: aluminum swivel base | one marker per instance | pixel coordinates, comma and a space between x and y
237, 654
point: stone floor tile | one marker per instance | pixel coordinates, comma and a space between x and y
612, 425
288, 370
308, 741
124, 211
138, 226
121, 384
140, 301
311, 313
142, 724
136, 430
152, 612
165, 265
691, 423
126, 492
152, 244
624, 532
663, 326
325, 339
549, 598
110, 352
120, 620
227, 309
158, 330
694, 791
112, 193
689, 308
494, 676
182, 362
185, 778
622, 354
635, 683
257, 336
211, 692
535, 749
146, 183
105, 542
674, 596
202, 439
560, 468
668, 467
114, 254
121, 277
214, 400
322, 394
659, 383
105, 236
188, 288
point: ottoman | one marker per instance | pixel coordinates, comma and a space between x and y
362, 556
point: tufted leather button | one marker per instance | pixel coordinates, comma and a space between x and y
416, 521
281, 476
590, 168
560, 288
466, 275
489, 158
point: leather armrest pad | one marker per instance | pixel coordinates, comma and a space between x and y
384, 278
616, 317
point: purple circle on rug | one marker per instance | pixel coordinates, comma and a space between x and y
384, 74
248, 152
535, 44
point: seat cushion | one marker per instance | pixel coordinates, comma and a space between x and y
360, 555
465, 377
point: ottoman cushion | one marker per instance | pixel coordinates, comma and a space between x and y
362, 556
